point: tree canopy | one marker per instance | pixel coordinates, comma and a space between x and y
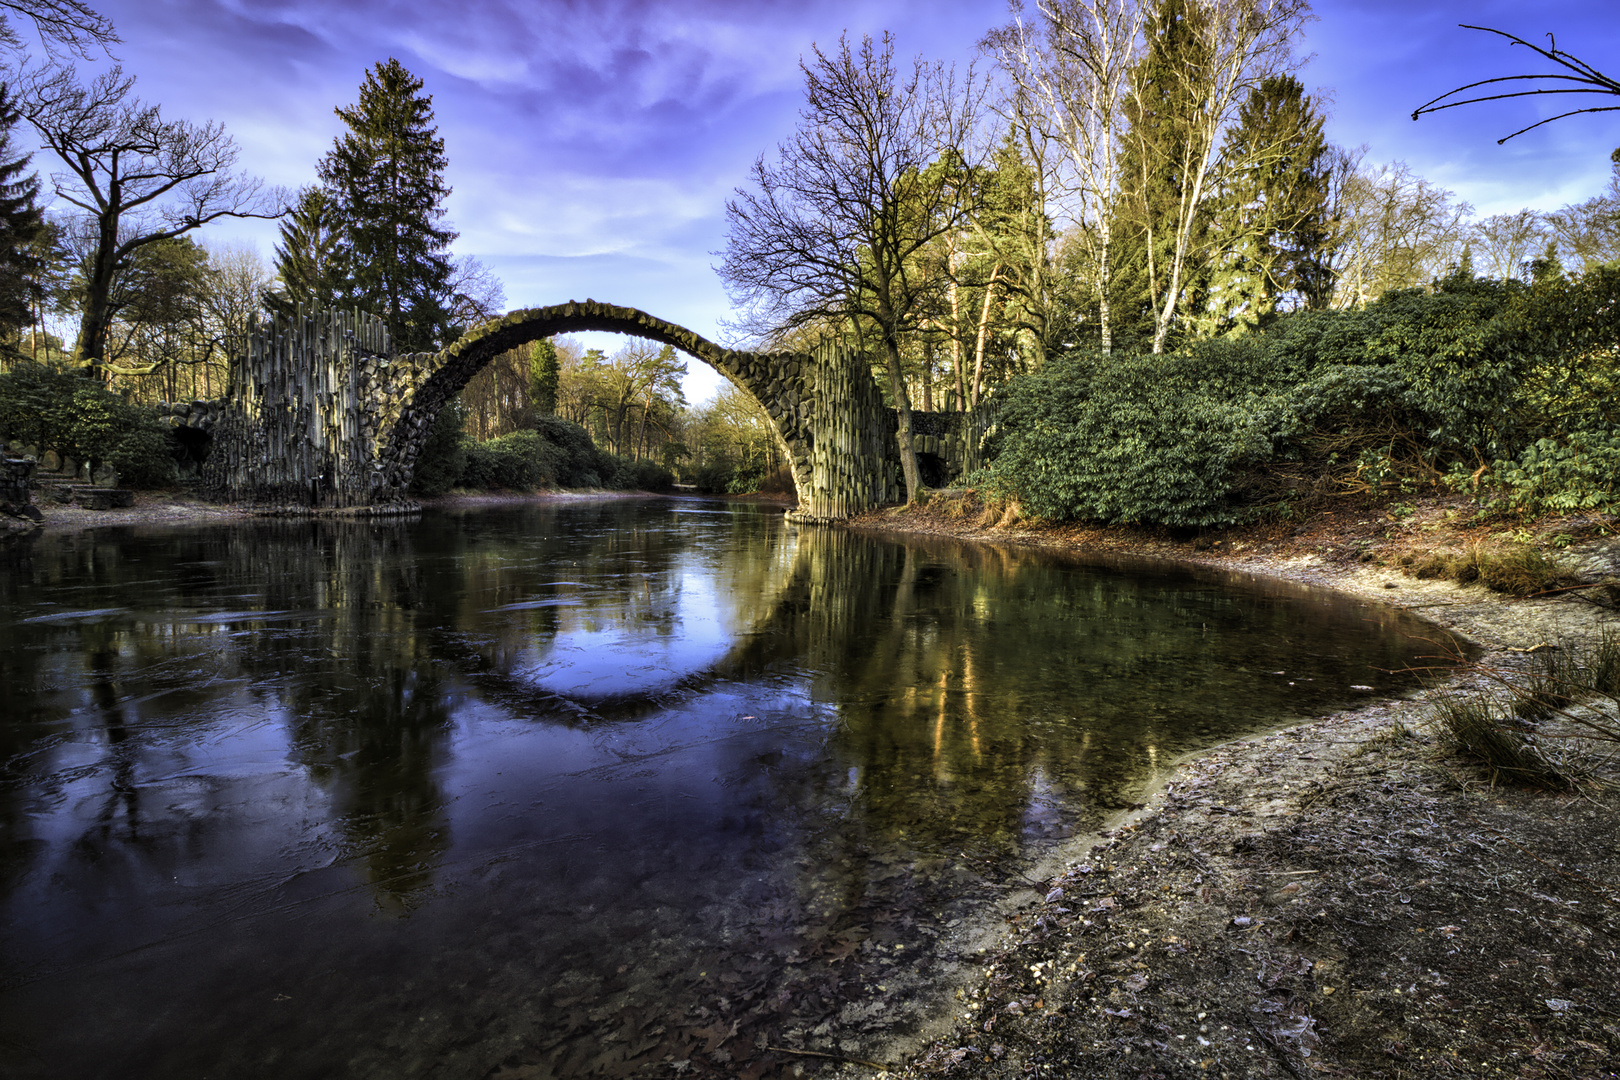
385, 177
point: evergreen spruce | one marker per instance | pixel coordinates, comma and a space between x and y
1271, 208
387, 175
22, 227
544, 372
311, 260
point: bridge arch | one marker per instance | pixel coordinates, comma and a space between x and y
779, 381
321, 414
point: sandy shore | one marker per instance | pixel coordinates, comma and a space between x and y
179, 508
1346, 897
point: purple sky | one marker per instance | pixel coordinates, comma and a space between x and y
592, 144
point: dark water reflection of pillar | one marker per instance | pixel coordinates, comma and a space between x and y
364, 696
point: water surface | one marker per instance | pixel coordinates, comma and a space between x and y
625, 788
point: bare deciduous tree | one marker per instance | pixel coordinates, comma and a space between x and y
1394, 230
476, 294
1588, 233
1070, 69
834, 228
1505, 244
138, 177
233, 292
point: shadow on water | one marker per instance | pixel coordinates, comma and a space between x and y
580, 790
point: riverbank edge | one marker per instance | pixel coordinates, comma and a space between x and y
1389, 735
171, 507
1255, 783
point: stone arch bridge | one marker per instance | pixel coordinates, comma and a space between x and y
321, 414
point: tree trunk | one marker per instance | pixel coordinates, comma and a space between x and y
983, 329
93, 323
902, 407
1104, 282
928, 377
958, 362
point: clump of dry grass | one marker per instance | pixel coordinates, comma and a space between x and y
1011, 516
1477, 725
1565, 675
1569, 700
1433, 565
959, 506
1000, 514
1515, 569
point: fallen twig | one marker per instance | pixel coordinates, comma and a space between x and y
841, 1059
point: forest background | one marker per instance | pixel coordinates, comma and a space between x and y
1127, 226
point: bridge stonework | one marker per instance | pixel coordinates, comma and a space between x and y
321, 415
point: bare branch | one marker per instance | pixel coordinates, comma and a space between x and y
61, 24
1588, 80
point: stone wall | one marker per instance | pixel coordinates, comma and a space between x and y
956, 438
853, 450
202, 415
16, 497
299, 427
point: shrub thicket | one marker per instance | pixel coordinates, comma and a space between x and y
1412, 386
579, 463
521, 461
556, 452
49, 408
1570, 401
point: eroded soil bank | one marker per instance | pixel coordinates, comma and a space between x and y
1347, 897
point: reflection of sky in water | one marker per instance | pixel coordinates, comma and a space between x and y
641, 642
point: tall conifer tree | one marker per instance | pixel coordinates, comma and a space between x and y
387, 176
310, 259
1272, 218
21, 227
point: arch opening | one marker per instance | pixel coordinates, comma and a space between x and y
778, 381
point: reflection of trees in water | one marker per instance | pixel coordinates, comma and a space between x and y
363, 695
359, 633
966, 689
86, 681
976, 685
123, 796
971, 684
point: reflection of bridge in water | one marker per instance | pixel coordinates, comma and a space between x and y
255, 759
958, 681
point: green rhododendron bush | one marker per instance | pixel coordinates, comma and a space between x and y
554, 452
1505, 388
49, 408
